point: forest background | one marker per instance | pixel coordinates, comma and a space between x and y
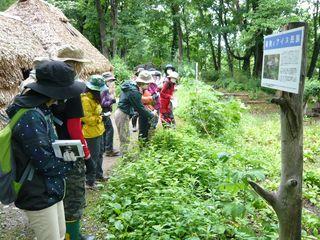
224, 36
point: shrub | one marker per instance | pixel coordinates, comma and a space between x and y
312, 89
207, 111
178, 188
121, 70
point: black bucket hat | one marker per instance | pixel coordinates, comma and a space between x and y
169, 66
55, 79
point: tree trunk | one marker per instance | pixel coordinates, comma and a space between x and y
114, 22
102, 28
314, 58
229, 56
82, 19
177, 38
219, 52
213, 52
180, 41
187, 34
287, 201
258, 55
246, 65
246, 61
210, 41
316, 45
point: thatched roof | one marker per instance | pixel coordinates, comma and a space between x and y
18, 48
53, 29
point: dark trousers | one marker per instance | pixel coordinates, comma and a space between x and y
75, 200
144, 127
108, 135
94, 165
134, 120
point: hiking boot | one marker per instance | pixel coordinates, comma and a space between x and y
91, 186
102, 179
113, 153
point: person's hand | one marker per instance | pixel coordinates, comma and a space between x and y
69, 156
155, 96
155, 113
87, 157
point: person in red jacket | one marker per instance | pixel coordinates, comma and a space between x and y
166, 94
68, 126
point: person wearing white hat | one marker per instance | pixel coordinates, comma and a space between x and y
69, 113
166, 95
130, 101
107, 100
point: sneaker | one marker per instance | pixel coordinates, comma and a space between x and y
113, 153
134, 129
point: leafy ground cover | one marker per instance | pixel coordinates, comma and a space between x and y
192, 183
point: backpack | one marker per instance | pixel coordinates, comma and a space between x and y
9, 187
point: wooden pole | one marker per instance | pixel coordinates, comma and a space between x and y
197, 65
287, 201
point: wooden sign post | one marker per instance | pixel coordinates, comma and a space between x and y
287, 201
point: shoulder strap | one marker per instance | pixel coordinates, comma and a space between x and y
27, 173
17, 116
29, 170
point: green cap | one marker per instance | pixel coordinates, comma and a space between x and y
96, 83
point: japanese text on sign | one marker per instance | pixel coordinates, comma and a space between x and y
282, 60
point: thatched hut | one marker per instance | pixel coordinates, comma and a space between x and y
18, 48
53, 29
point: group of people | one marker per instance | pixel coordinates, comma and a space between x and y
147, 98
62, 106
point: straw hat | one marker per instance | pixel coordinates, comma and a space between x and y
144, 77
139, 70
174, 75
108, 76
155, 73
70, 53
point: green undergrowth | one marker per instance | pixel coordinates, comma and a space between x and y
192, 182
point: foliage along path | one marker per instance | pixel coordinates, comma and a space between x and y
192, 183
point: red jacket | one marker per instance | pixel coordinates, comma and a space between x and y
165, 97
75, 132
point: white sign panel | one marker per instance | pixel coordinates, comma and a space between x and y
282, 57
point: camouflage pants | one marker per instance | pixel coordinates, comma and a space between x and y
75, 199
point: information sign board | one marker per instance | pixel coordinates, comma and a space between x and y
282, 57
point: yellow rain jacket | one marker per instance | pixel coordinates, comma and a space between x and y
92, 120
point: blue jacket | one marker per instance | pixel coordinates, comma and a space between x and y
32, 139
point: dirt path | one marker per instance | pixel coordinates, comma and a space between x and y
14, 223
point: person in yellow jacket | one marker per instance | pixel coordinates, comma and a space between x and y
93, 127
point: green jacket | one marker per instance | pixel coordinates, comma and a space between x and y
130, 100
